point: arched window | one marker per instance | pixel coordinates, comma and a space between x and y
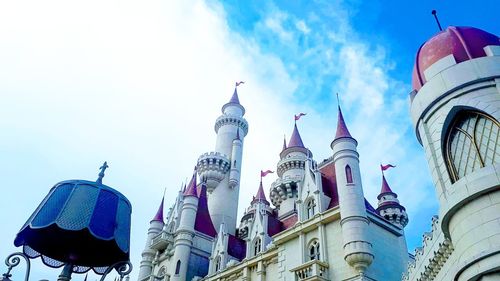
310, 208
471, 143
178, 267
314, 250
257, 246
348, 174
217, 263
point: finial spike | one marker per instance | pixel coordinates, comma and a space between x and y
101, 174
338, 100
434, 13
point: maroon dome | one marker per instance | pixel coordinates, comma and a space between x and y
463, 42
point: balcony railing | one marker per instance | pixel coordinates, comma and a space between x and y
313, 270
161, 241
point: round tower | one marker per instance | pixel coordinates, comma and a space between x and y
148, 254
290, 170
358, 251
185, 232
221, 169
455, 108
389, 207
237, 151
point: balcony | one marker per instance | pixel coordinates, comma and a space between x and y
161, 241
313, 270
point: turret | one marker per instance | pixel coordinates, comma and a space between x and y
358, 251
290, 171
234, 176
389, 207
455, 109
185, 232
148, 254
221, 169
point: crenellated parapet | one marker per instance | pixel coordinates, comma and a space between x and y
234, 120
283, 188
289, 163
212, 168
430, 258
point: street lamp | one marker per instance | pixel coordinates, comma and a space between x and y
80, 225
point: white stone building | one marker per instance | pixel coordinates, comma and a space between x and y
317, 225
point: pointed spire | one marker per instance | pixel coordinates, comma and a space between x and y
295, 140
284, 142
234, 98
261, 196
191, 188
342, 131
385, 189
159, 213
203, 223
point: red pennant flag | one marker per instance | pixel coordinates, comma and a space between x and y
297, 117
385, 167
239, 83
263, 174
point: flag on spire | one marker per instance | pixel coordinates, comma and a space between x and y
297, 117
239, 83
385, 167
265, 173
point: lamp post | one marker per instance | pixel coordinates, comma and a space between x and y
80, 225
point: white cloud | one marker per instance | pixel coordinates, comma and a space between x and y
302, 26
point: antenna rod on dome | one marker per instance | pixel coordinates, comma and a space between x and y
434, 12
101, 174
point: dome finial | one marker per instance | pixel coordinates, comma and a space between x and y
101, 174
434, 13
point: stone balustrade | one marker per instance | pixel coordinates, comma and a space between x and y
313, 270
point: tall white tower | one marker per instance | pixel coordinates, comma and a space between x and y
358, 251
185, 232
148, 254
221, 169
455, 108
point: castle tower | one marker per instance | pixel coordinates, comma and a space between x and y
358, 251
389, 207
221, 169
455, 108
185, 232
148, 254
290, 170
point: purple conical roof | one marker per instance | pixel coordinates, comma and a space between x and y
295, 140
261, 196
342, 131
234, 98
203, 223
191, 188
385, 186
159, 213
385, 189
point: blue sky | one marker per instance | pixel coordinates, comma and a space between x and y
141, 84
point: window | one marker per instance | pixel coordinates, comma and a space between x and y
471, 143
217, 263
178, 267
348, 174
257, 246
310, 206
314, 250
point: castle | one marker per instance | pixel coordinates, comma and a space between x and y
317, 224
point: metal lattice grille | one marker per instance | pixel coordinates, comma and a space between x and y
472, 143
